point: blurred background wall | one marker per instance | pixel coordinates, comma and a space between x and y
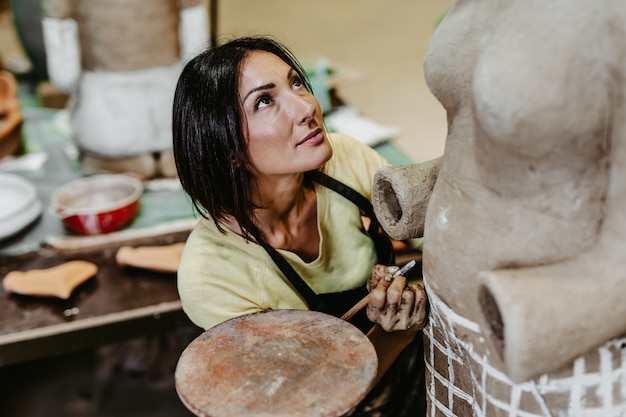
382, 42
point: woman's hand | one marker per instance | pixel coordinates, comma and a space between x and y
394, 303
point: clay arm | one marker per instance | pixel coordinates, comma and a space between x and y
62, 44
542, 318
193, 28
400, 197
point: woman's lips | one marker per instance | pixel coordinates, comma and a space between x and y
312, 138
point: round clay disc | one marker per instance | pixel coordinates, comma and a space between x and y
277, 363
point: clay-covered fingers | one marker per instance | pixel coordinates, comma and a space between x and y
380, 272
398, 306
417, 302
385, 302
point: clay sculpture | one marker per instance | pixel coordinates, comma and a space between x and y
524, 231
119, 61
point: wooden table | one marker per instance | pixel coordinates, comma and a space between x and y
117, 303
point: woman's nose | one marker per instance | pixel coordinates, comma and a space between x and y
304, 107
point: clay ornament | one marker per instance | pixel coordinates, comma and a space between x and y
58, 281
155, 258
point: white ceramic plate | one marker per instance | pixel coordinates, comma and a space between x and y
19, 204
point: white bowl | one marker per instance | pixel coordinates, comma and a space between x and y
19, 204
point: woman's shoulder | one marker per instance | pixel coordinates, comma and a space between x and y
205, 245
346, 149
343, 142
354, 162
206, 239
219, 275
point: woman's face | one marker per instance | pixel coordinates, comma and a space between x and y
285, 130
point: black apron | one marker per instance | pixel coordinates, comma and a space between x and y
401, 392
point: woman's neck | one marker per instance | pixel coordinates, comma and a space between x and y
288, 217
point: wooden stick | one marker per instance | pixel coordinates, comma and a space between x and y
363, 302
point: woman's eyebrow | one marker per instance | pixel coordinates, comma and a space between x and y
267, 86
261, 87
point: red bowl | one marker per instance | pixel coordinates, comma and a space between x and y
98, 204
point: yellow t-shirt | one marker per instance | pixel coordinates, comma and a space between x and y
221, 276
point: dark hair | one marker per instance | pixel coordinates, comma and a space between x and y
208, 131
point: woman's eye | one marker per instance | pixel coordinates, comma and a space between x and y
297, 82
262, 101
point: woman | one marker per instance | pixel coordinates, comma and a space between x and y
282, 202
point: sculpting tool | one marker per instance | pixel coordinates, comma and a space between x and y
359, 306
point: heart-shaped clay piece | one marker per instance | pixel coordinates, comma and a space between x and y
155, 258
58, 281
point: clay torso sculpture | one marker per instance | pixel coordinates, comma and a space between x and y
524, 247
119, 60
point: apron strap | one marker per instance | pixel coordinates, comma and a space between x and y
312, 299
345, 191
384, 248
